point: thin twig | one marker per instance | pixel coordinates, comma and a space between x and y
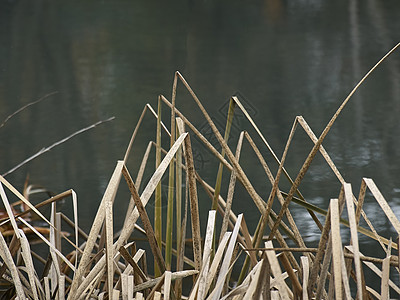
43, 150
25, 106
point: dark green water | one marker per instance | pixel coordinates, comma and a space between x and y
282, 58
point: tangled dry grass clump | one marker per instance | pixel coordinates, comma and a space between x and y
106, 264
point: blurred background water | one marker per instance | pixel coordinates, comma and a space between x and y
281, 58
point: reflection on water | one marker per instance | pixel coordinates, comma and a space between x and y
282, 58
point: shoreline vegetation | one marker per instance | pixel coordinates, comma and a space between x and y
274, 260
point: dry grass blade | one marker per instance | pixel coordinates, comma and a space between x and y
217, 259
8, 260
52, 247
194, 210
170, 216
181, 245
95, 229
90, 281
55, 237
276, 182
139, 296
373, 292
221, 202
324, 271
239, 291
385, 278
275, 191
317, 145
146, 222
22, 198
135, 131
320, 254
178, 196
348, 195
125, 254
47, 288
153, 282
252, 288
140, 254
296, 286
262, 288
227, 259
306, 271
283, 244
231, 189
360, 212
139, 178
195, 289
167, 285
171, 184
248, 242
109, 247
345, 277
157, 296
336, 248
61, 288
115, 294
276, 271
148, 191
246, 182
157, 195
75, 209
9, 211
398, 254
124, 287
383, 203
81, 233
242, 108
131, 284
200, 136
54, 272
26, 251
270, 150
325, 154
41, 204
206, 254
360, 201
220, 167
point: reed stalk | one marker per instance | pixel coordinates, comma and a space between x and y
158, 191
171, 185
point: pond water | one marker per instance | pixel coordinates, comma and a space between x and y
281, 58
